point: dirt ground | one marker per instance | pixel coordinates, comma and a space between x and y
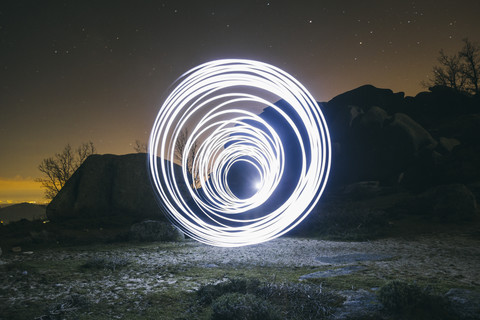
32, 279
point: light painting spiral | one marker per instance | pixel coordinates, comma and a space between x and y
208, 145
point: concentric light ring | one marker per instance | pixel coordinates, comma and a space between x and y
214, 101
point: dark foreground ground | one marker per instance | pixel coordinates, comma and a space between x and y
433, 276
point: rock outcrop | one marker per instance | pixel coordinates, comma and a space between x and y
107, 186
376, 146
418, 142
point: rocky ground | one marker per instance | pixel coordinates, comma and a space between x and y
141, 276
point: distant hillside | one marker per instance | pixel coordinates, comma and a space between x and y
21, 211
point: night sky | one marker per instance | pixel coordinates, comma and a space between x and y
78, 71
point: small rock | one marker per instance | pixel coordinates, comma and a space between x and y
16, 249
28, 252
209, 265
360, 304
332, 272
464, 303
363, 189
152, 230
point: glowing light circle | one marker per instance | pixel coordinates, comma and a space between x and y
214, 101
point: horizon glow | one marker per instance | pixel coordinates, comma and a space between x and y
216, 99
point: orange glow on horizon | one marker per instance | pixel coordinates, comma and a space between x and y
19, 189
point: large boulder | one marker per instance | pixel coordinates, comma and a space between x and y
440, 106
344, 109
380, 147
464, 130
462, 165
446, 145
107, 186
373, 120
452, 202
367, 96
152, 230
411, 135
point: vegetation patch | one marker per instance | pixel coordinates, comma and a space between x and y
247, 297
239, 306
408, 300
191, 281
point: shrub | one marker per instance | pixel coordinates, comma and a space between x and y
409, 300
233, 306
398, 295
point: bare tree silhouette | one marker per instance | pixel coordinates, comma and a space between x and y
140, 147
180, 146
470, 54
460, 71
59, 168
449, 73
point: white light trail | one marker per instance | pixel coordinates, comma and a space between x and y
215, 99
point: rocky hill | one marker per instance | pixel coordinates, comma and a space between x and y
21, 211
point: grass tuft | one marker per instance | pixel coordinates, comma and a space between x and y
65, 308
